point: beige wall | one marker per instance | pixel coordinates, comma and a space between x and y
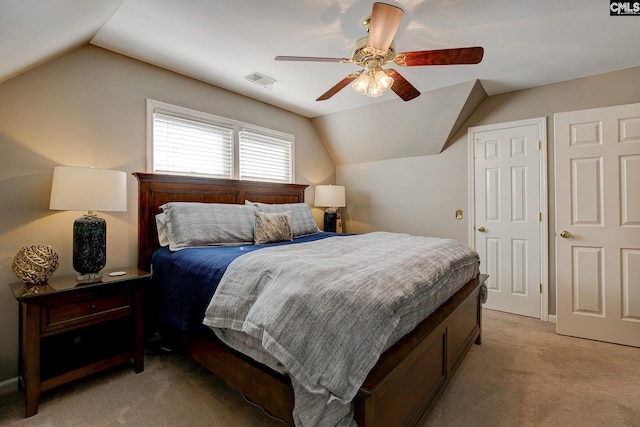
87, 108
419, 195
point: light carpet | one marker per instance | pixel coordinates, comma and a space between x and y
523, 374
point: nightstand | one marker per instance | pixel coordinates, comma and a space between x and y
70, 330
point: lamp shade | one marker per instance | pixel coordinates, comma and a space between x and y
88, 189
331, 196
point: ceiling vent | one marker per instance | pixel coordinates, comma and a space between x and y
261, 80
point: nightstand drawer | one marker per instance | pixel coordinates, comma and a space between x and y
86, 309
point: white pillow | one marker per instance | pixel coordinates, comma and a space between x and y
303, 221
161, 227
193, 224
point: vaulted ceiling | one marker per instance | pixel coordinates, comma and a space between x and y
527, 44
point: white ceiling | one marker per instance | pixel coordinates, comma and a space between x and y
527, 42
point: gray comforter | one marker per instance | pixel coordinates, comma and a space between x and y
324, 311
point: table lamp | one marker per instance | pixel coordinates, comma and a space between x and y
331, 197
89, 189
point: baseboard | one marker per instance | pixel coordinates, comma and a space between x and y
9, 386
552, 318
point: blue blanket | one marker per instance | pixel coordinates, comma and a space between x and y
184, 281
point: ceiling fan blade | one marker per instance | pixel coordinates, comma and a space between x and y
385, 19
464, 55
341, 85
310, 59
401, 86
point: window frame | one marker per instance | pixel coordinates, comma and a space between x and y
153, 106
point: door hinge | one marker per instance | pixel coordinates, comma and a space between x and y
540, 216
539, 145
540, 287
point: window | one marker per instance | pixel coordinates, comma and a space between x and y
183, 145
265, 157
183, 141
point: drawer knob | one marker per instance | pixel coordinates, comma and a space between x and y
93, 307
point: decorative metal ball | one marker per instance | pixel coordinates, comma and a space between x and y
34, 265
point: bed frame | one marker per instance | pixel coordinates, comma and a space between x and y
408, 378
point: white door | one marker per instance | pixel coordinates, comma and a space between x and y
598, 223
510, 198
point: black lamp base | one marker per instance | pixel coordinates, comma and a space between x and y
330, 221
89, 248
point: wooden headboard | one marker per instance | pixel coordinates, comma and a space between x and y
154, 190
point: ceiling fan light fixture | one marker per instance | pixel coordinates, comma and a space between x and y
385, 81
362, 83
374, 90
373, 82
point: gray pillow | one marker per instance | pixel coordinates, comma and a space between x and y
192, 224
272, 227
303, 221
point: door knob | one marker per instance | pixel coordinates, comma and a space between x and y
565, 234
481, 229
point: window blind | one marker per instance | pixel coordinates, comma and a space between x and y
265, 157
182, 145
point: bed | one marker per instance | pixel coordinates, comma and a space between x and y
407, 378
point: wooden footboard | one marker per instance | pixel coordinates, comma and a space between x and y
409, 377
259, 384
399, 391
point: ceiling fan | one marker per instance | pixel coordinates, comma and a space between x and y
378, 49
